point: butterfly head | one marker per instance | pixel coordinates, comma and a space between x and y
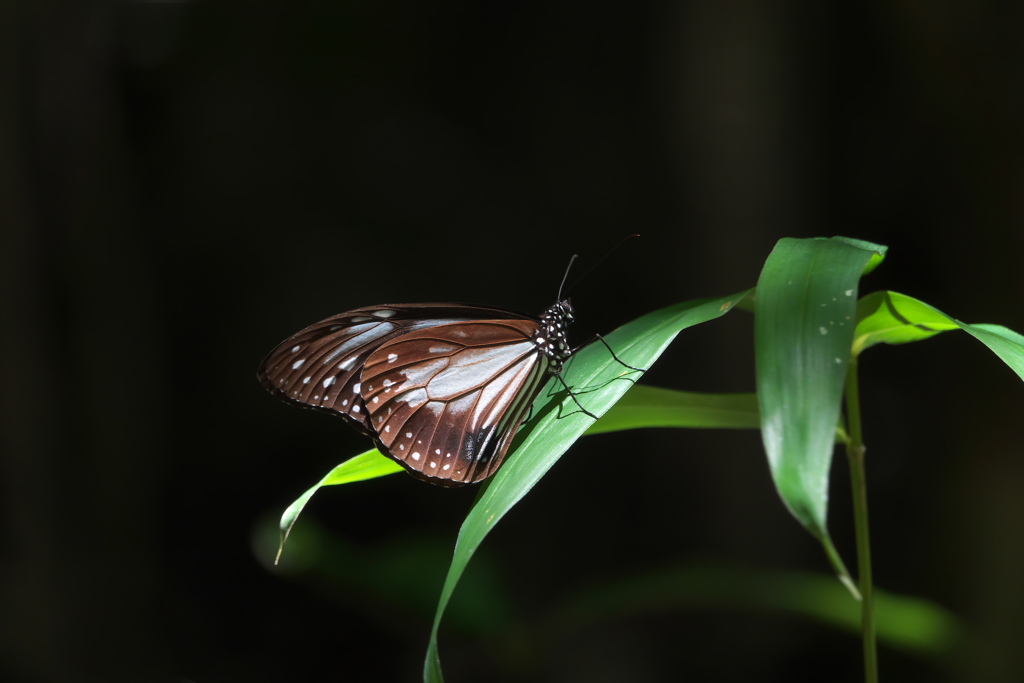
565, 307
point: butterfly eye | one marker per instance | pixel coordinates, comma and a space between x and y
566, 309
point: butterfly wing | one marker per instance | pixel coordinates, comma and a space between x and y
446, 401
320, 366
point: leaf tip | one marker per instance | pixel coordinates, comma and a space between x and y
847, 581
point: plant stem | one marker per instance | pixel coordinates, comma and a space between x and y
855, 452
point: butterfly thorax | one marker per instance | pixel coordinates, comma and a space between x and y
550, 337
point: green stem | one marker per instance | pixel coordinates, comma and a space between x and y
855, 452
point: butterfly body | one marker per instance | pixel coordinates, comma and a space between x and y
441, 388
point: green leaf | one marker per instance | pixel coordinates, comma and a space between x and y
598, 381
646, 406
804, 326
368, 465
912, 624
895, 318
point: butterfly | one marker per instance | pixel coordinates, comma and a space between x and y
442, 388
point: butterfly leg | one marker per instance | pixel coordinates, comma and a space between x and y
617, 359
573, 397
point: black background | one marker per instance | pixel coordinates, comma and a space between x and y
184, 184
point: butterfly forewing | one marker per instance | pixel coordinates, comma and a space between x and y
320, 366
446, 401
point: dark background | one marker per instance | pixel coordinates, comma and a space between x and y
184, 184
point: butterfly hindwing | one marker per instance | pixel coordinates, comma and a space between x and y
446, 401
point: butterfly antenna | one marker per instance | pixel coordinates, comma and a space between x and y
566, 276
599, 262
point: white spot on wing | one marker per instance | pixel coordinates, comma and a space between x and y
295, 349
415, 456
298, 364
392, 357
443, 348
329, 381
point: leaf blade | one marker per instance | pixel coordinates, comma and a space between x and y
804, 329
645, 406
638, 343
893, 318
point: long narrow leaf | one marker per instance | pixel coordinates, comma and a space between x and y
804, 327
894, 318
646, 406
906, 622
598, 381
